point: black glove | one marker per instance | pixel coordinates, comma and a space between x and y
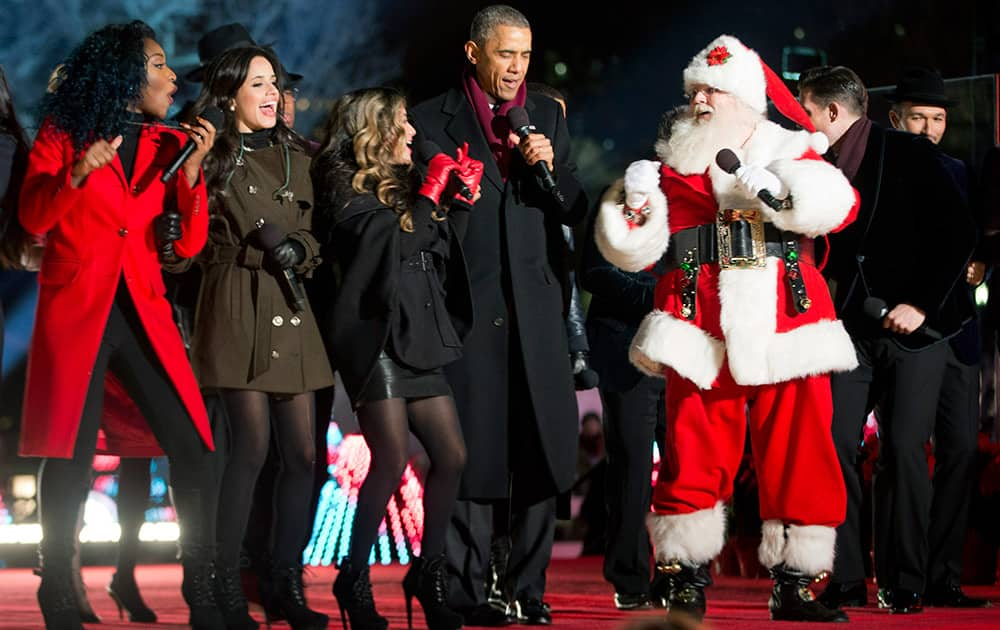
288, 253
584, 377
167, 229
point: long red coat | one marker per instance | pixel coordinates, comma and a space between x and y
96, 234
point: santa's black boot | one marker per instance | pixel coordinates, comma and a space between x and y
792, 600
686, 591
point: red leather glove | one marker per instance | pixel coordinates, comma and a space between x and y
438, 173
470, 171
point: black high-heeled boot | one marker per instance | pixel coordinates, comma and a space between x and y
231, 601
57, 600
425, 581
353, 590
87, 614
288, 598
125, 593
198, 587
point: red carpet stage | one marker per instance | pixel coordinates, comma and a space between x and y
579, 597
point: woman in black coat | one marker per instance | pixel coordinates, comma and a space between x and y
401, 313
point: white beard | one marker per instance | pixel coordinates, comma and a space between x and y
692, 145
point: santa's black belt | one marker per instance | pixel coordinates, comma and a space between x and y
745, 246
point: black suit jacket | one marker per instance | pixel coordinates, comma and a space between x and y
512, 245
912, 239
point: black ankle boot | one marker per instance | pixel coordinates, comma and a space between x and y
353, 590
792, 600
686, 590
288, 598
198, 591
125, 593
57, 600
425, 581
229, 598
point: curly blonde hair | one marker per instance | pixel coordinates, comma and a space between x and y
361, 139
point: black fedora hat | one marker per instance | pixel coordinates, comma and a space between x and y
921, 86
219, 40
214, 43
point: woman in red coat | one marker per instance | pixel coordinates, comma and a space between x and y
93, 189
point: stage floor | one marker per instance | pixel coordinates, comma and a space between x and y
579, 597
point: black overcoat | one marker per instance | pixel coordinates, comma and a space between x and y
364, 236
511, 247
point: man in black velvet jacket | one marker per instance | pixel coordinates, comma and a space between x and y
513, 386
892, 274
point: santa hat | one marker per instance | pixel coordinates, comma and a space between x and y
730, 66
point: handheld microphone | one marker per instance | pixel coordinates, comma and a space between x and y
425, 150
877, 309
728, 162
269, 236
213, 115
520, 124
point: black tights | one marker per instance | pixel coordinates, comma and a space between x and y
64, 483
386, 425
133, 497
250, 434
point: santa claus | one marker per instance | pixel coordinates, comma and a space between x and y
744, 328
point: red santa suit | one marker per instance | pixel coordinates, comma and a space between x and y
749, 350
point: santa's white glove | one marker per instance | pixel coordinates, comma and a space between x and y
755, 178
641, 178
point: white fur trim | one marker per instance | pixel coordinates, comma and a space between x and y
631, 248
819, 142
812, 349
693, 538
809, 548
821, 196
642, 176
757, 354
748, 317
663, 340
772, 544
741, 74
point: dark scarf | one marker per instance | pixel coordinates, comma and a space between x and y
495, 126
850, 149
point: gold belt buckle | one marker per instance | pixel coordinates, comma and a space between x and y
741, 238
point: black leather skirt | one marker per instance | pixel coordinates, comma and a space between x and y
392, 380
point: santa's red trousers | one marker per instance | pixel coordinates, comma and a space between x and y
799, 477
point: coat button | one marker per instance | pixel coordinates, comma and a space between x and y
275, 354
427, 304
135, 190
277, 320
295, 320
252, 189
498, 322
122, 232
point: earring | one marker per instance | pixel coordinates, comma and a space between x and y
232, 107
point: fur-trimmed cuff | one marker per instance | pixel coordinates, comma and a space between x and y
627, 246
807, 549
693, 538
808, 350
822, 198
665, 341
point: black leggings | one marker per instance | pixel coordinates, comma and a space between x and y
386, 426
64, 483
250, 434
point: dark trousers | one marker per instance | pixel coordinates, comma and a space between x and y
64, 483
955, 444
474, 526
632, 420
905, 387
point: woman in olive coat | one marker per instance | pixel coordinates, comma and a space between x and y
252, 341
